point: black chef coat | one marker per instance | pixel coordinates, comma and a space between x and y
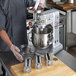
13, 19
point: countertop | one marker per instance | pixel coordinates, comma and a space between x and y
7, 59
65, 6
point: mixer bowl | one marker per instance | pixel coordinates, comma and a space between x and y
71, 1
42, 38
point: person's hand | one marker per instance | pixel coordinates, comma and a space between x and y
16, 51
42, 3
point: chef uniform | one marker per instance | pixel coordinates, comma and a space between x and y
13, 19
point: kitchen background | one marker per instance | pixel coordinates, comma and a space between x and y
71, 36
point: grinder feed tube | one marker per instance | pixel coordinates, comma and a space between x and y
27, 68
38, 63
37, 4
48, 60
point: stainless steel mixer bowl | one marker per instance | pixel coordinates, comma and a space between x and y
42, 38
71, 1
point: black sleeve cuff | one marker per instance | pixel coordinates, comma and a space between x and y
31, 3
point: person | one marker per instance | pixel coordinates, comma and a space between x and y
13, 32
13, 25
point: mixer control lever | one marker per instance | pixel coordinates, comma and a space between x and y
27, 68
48, 60
38, 63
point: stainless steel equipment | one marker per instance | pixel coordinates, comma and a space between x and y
56, 0
43, 37
38, 63
51, 18
27, 67
48, 59
71, 1
62, 30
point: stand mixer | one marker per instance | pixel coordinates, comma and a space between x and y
43, 38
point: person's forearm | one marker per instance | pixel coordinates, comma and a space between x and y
12, 47
5, 37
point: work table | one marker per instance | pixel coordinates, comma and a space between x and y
7, 59
65, 6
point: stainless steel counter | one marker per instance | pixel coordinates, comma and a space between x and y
7, 59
